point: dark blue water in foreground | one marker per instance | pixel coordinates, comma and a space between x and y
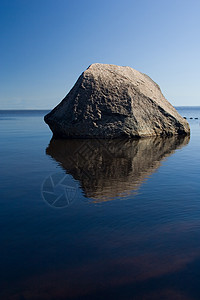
95, 219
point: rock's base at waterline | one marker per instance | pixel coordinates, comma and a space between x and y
109, 101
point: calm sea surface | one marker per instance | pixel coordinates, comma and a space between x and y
98, 219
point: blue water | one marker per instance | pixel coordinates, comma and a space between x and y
98, 220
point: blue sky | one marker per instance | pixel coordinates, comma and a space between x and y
47, 44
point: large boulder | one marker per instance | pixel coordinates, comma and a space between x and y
109, 101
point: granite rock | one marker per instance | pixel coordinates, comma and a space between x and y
109, 101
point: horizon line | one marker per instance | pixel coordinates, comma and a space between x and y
4, 109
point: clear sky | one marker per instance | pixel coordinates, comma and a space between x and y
46, 44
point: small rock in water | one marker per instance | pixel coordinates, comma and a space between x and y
109, 101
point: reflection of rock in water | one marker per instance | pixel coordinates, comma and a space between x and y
110, 168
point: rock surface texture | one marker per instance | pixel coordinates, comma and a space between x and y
109, 101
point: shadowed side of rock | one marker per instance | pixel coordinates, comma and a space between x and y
109, 101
